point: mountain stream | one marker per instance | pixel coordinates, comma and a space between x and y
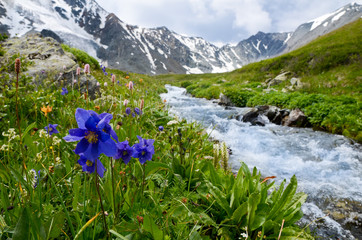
328, 167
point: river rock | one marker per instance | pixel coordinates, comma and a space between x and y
48, 62
224, 100
254, 117
296, 118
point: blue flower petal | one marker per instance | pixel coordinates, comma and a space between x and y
114, 135
109, 148
70, 138
81, 116
104, 121
100, 168
102, 136
77, 132
82, 146
91, 124
82, 160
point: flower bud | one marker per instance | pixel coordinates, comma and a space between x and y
125, 102
130, 85
17, 65
113, 78
86, 69
78, 71
142, 104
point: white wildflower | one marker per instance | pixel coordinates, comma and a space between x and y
56, 140
172, 122
4, 148
42, 133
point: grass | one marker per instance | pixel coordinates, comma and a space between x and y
182, 193
329, 67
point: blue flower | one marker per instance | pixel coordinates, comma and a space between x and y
51, 128
89, 165
144, 149
137, 111
160, 128
128, 111
64, 91
94, 134
124, 151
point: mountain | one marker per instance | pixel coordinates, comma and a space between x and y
323, 25
86, 25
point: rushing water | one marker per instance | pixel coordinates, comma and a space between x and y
328, 167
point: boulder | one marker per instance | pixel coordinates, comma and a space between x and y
282, 76
296, 118
254, 117
224, 100
278, 79
48, 62
296, 83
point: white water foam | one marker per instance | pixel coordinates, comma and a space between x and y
327, 166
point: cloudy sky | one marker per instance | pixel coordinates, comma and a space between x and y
221, 21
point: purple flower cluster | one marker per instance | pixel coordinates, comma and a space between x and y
96, 136
136, 111
64, 91
104, 70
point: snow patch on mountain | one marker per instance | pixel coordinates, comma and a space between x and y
86, 25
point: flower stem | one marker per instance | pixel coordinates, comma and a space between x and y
87, 93
100, 199
114, 202
143, 178
18, 120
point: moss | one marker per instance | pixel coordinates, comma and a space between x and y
82, 57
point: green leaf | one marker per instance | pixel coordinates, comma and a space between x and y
220, 198
22, 229
277, 210
151, 227
152, 167
240, 212
54, 225
118, 235
195, 236
260, 216
4, 175
38, 230
253, 202
31, 126
76, 189
214, 177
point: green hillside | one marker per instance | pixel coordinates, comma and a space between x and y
330, 72
118, 166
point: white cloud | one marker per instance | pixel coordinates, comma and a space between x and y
221, 20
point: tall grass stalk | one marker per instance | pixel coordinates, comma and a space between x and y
17, 70
100, 199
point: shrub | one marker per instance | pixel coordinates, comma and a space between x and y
82, 57
239, 97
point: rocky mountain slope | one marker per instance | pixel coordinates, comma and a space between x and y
86, 25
